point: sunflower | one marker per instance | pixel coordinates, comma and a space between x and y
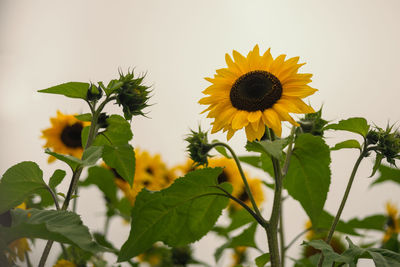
256, 91
392, 224
239, 255
64, 136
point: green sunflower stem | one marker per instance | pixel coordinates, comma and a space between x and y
272, 233
77, 173
328, 240
246, 185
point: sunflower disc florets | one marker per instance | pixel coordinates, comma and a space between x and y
132, 95
198, 147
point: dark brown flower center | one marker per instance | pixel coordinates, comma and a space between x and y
71, 135
255, 90
244, 196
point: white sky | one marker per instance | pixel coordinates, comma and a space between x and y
351, 47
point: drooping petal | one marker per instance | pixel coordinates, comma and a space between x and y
240, 120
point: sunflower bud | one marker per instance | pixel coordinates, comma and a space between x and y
132, 95
94, 93
198, 147
102, 120
181, 256
312, 123
387, 143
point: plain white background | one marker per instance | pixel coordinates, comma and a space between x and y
351, 47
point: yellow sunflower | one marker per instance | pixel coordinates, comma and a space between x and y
64, 136
256, 91
239, 255
392, 223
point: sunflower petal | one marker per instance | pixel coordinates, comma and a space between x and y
298, 91
240, 120
283, 113
295, 105
254, 116
241, 61
272, 120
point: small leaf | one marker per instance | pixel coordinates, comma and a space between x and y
262, 260
272, 148
325, 221
122, 159
70, 89
61, 226
177, 215
347, 144
73, 162
61, 194
372, 222
355, 125
245, 239
112, 86
251, 160
84, 117
308, 177
386, 174
221, 149
56, 178
18, 183
91, 155
378, 161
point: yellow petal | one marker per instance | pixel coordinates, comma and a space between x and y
295, 105
271, 119
298, 91
283, 114
232, 65
230, 133
241, 61
254, 116
277, 64
240, 120
250, 133
266, 60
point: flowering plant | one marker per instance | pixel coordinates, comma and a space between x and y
170, 208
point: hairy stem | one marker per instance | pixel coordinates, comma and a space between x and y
246, 185
344, 199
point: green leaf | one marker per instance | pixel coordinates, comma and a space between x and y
177, 215
251, 160
112, 86
330, 255
104, 180
73, 162
272, 148
387, 173
56, 178
122, 159
355, 125
238, 218
384, 257
91, 155
18, 183
221, 149
372, 222
377, 164
118, 132
84, 117
70, 89
352, 143
60, 226
308, 177
325, 221
245, 239
262, 260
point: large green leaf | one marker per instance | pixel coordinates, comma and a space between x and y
245, 239
60, 226
355, 125
104, 180
325, 221
387, 173
372, 222
177, 215
122, 159
70, 89
238, 218
91, 155
19, 182
308, 177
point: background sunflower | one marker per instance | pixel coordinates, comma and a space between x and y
64, 135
